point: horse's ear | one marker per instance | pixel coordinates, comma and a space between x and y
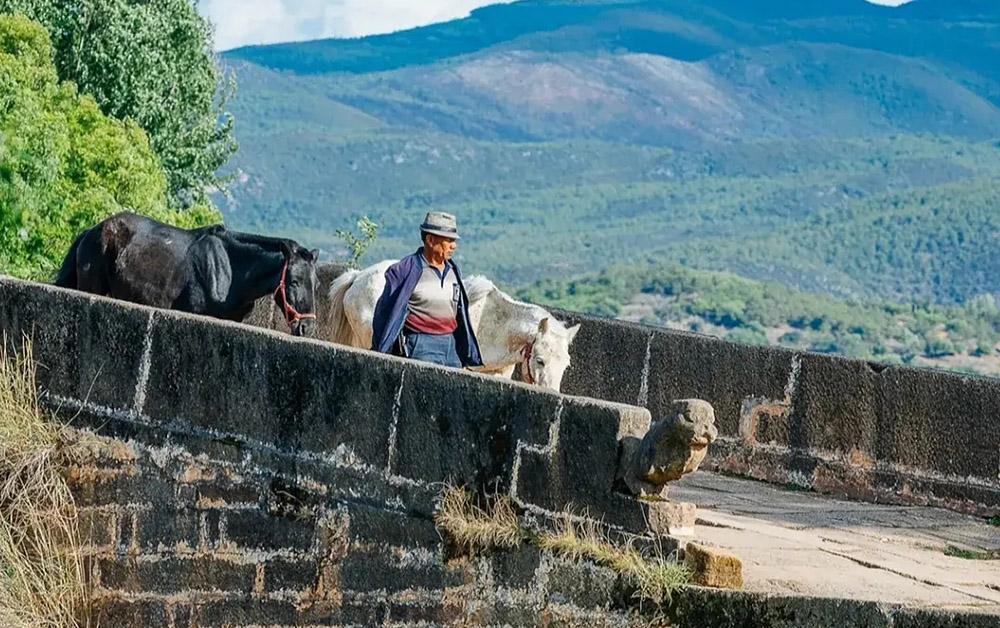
313, 255
571, 332
543, 327
287, 249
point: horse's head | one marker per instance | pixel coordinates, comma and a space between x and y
296, 293
547, 357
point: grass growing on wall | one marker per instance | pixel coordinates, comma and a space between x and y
42, 577
472, 527
655, 577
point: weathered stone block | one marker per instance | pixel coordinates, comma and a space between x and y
465, 429
930, 618
87, 347
394, 569
578, 472
713, 567
377, 525
290, 394
173, 575
669, 518
114, 612
169, 530
245, 612
297, 575
98, 527
255, 530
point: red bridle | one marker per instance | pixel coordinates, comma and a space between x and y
292, 315
526, 373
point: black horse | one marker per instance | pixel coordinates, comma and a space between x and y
211, 271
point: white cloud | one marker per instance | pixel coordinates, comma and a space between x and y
242, 22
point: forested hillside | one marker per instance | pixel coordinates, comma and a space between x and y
837, 162
722, 304
833, 146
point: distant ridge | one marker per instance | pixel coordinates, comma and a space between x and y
705, 132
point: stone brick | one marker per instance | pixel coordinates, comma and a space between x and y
920, 618
392, 527
395, 569
584, 585
696, 606
289, 575
671, 518
113, 612
174, 574
87, 347
295, 396
227, 494
234, 613
122, 489
176, 530
434, 614
513, 568
453, 428
253, 529
713, 567
98, 527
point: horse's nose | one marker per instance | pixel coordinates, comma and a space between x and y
304, 327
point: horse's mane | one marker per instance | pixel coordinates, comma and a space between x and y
254, 239
478, 287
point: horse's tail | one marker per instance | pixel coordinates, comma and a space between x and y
338, 326
66, 278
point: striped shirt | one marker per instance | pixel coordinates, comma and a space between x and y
433, 307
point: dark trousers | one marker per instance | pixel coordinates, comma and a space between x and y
431, 348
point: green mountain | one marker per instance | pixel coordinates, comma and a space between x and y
830, 145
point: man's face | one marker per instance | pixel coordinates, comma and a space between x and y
439, 246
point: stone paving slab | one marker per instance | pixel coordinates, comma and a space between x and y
802, 543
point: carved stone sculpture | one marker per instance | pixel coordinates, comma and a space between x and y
673, 447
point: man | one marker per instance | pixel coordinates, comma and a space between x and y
423, 312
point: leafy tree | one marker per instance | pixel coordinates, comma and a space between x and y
64, 165
150, 61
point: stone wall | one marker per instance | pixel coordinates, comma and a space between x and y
840, 426
255, 478
232, 476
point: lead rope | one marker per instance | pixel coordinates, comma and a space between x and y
292, 315
526, 371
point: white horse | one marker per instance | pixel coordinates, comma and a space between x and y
510, 332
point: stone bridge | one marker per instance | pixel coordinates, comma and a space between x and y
249, 478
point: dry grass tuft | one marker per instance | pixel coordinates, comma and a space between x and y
655, 577
42, 578
473, 527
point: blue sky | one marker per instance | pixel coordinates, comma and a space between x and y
242, 22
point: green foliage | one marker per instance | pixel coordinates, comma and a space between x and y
752, 335
784, 210
151, 62
743, 310
64, 165
806, 146
967, 554
359, 245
